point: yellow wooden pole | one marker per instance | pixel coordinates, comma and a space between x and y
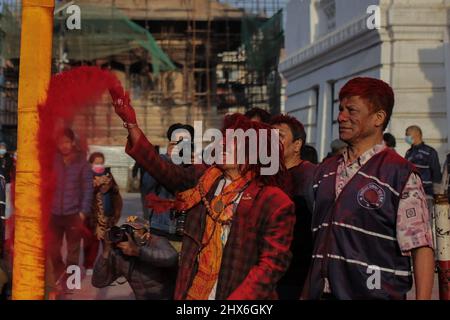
34, 76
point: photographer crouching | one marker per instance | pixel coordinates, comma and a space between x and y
148, 262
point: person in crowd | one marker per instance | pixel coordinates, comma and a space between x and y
442, 192
5, 280
389, 140
106, 209
146, 261
293, 138
444, 186
239, 224
169, 223
7, 170
370, 214
309, 153
424, 157
426, 160
139, 172
72, 202
337, 147
4, 277
258, 115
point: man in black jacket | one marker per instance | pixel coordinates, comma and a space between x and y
148, 262
301, 171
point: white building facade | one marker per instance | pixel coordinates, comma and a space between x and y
328, 42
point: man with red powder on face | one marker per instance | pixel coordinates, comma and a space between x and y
370, 213
239, 225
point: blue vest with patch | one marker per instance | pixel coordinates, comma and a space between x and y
355, 244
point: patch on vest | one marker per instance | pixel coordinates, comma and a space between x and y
371, 196
411, 213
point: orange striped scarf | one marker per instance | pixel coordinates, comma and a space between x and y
220, 212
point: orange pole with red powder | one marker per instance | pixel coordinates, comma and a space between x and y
34, 77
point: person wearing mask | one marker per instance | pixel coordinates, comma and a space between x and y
424, 157
426, 160
171, 223
106, 209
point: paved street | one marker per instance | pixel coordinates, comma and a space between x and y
132, 206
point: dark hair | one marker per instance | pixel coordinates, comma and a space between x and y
377, 92
238, 121
297, 128
260, 113
309, 153
389, 139
68, 133
177, 126
95, 155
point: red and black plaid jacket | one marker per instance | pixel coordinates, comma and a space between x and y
257, 251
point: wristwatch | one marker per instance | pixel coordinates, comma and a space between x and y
129, 125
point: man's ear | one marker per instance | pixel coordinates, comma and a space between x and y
298, 145
380, 118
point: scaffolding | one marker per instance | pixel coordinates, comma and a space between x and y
9, 71
181, 60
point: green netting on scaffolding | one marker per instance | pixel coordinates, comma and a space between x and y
263, 40
105, 32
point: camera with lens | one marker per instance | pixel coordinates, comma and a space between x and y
180, 217
119, 234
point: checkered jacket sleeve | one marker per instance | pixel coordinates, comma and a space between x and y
275, 256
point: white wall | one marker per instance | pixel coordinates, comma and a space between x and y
408, 52
298, 25
348, 10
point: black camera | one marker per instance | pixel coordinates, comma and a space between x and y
119, 234
180, 217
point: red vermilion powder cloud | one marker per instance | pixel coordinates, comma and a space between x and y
68, 94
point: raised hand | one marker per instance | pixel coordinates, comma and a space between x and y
116, 90
121, 103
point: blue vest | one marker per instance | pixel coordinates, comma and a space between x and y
424, 158
355, 235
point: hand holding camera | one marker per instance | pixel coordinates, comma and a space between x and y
129, 248
121, 237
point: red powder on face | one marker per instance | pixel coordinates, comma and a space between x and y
69, 93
